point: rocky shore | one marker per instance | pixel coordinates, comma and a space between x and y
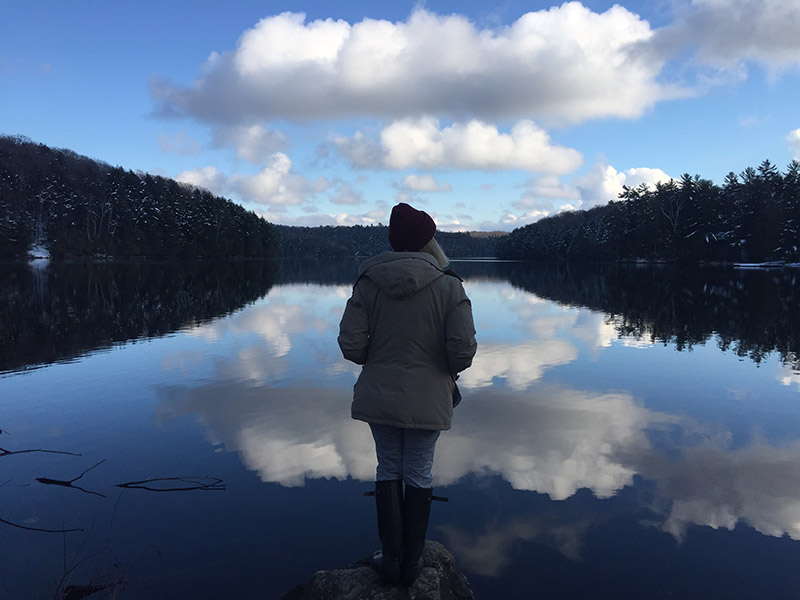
439, 580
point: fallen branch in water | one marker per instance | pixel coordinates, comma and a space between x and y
70, 483
38, 528
212, 484
4, 452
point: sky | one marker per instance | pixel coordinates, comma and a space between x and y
488, 116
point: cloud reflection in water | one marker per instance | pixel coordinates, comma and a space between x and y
281, 399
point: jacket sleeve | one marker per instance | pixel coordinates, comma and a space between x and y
354, 330
461, 344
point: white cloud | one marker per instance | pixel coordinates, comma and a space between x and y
253, 143
276, 185
545, 196
423, 143
794, 143
425, 183
208, 177
475, 145
566, 63
605, 183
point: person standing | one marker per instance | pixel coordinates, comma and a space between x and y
409, 324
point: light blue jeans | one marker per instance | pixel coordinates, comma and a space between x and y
405, 454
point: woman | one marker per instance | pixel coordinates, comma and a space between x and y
409, 323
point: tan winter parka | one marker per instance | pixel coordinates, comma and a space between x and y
409, 323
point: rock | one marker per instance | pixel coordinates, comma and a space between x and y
438, 580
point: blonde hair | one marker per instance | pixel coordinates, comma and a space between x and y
434, 249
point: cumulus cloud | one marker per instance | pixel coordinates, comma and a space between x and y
425, 183
605, 183
208, 177
276, 185
253, 143
566, 63
423, 143
794, 142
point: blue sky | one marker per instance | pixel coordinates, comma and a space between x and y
487, 116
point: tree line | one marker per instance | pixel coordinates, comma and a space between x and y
365, 241
752, 217
80, 207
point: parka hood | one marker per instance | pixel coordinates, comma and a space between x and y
401, 274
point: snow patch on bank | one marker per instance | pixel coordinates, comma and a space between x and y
39, 252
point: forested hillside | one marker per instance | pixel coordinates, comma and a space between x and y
79, 207
754, 216
317, 242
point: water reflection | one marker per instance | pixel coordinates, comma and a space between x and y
62, 310
580, 426
539, 436
753, 312
286, 434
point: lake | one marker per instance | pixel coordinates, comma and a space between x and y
183, 431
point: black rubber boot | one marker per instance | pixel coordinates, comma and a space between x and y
416, 512
389, 504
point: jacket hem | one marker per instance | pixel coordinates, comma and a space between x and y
400, 424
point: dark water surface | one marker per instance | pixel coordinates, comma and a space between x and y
625, 432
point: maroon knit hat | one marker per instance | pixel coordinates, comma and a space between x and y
410, 229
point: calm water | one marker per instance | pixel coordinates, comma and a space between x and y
625, 432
